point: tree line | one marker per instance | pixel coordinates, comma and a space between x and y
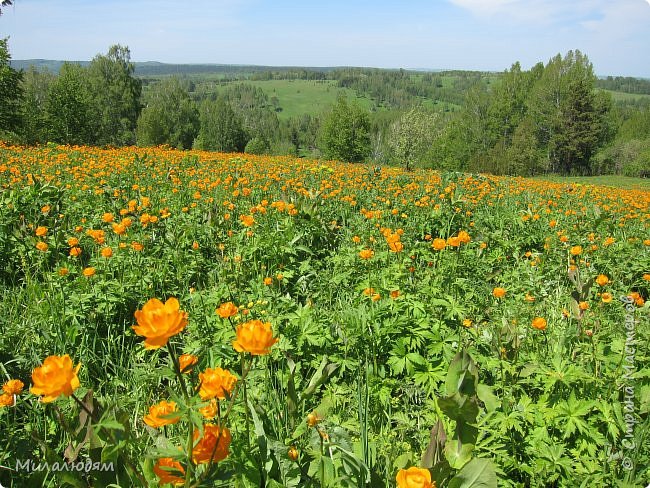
551, 118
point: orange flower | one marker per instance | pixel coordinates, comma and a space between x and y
75, 252
247, 220
583, 306
42, 246
576, 250
606, 297
195, 245
169, 471
45, 209
293, 453
439, 244
186, 361
107, 252
210, 410
646, 276
63, 271
414, 478
163, 413
602, 279
6, 400
88, 272
216, 383
356, 239
255, 337
73, 241
227, 310
499, 292
213, 446
366, 253
136, 246
158, 322
394, 294
464, 237
268, 281
453, 241
467, 323
41, 231
396, 246
108, 217
54, 378
313, 419
539, 323
119, 229
13, 387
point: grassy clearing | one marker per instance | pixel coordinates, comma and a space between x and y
603, 180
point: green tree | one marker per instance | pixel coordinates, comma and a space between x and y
169, 117
257, 145
36, 85
10, 91
346, 132
221, 129
116, 93
70, 107
411, 135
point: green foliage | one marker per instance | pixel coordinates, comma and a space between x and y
116, 94
346, 132
221, 129
257, 145
169, 117
10, 91
411, 136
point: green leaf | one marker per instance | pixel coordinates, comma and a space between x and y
487, 396
478, 473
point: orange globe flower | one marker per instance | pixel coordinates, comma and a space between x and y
186, 361
73, 241
75, 252
499, 292
107, 252
247, 220
366, 253
169, 471
576, 250
268, 281
583, 306
136, 246
227, 310
414, 478
108, 217
539, 323
213, 446
7, 400
216, 383
88, 272
439, 244
157, 322
602, 279
464, 237
210, 410
255, 337
13, 387
163, 413
42, 246
54, 378
646, 277
41, 231
606, 297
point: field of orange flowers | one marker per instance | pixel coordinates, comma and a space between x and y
204, 319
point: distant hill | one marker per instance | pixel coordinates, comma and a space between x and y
154, 68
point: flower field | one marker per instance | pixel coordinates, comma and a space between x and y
205, 319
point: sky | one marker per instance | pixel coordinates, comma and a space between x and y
414, 34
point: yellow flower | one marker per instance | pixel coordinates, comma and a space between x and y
539, 323
602, 279
13, 387
55, 377
216, 383
414, 478
467, 323
366, 253
163, 413
169, 471
227, 310
213, 446
439, 244
499, 292
157, 322
255, 337
186, 361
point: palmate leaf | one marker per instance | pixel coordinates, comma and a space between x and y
571, 413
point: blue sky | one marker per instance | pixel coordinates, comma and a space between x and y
438, 34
